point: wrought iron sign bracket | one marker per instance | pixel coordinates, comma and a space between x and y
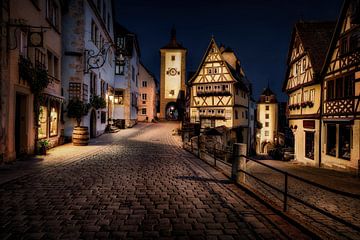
96, 60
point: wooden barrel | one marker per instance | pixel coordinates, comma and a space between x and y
80, 136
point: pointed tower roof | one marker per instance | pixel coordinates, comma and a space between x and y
173, 44
267, 96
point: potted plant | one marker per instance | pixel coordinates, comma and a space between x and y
297, 106
77, 109
310, 103
42, 146
97, 102
303, 104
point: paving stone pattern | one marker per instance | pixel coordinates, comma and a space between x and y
347, 208
142, 185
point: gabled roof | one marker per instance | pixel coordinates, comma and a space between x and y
120, 30
337, 30
235, 75
173, 44
315, 38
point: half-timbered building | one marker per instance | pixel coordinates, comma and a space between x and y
306, 56
341, 92
219, 94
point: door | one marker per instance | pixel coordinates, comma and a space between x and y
93, 124
20, 126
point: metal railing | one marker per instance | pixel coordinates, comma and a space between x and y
287, 195
216, 154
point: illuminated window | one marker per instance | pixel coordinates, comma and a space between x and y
331, 140
119, 97
344, 141
54, 113
309, 145
42, 122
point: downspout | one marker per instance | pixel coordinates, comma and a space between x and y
320, 118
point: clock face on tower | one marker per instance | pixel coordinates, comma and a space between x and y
172, 71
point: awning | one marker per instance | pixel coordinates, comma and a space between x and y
48, 97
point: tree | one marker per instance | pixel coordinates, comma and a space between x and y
77, 109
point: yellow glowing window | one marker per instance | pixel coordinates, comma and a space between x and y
42, 122
53, 121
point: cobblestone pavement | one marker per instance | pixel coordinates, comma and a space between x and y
142, 185
347, 208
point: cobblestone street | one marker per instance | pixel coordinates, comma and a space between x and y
141, 185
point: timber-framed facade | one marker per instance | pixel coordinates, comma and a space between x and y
341, 92
219, 95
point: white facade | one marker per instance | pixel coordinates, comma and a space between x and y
267, 116
89, 28
147, 95
126, 77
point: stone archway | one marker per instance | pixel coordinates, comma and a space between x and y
172, 112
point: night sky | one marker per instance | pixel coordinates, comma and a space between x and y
258, 30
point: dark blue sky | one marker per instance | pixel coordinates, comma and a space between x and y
258, 30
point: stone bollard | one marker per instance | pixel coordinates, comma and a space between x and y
239, 163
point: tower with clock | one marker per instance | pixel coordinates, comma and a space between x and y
172, 79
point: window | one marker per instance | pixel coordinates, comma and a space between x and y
331, 140
309, 145
104, 12
209, 71
172, 58
236, 114
266, 116
42, 122
143, 111
330, 90
312, 95
53, 65
120, 42
39, 59
266, 133
119, 68
119, 97
344, 141
92, 84
74, 90
242, 114
267, 107
103, 117
306, 96
52, 13
144, 83
94, 33
344, 47
103, 88
266, 124
54, 114
133, 73
246, 114
85, 93
303, 65
144, 96
340, 88
23, 44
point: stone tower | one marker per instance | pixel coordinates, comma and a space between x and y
267, 115
172, 79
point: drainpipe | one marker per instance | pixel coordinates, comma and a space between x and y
320, 123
